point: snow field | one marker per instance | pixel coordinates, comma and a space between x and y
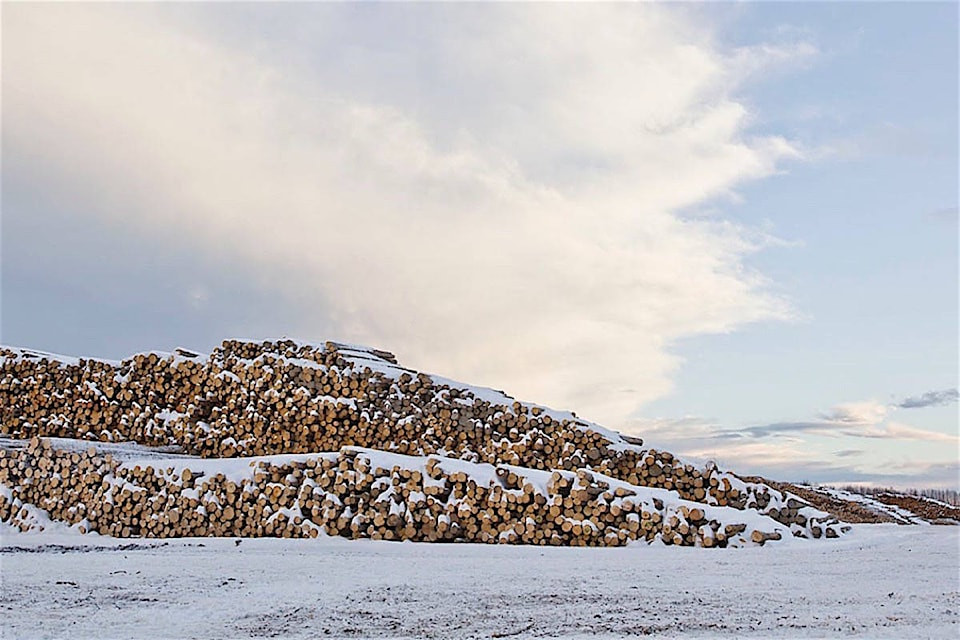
880, 581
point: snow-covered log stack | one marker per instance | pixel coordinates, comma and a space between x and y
279, 398
354, 493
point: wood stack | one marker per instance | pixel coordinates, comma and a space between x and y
282, 397
355, 493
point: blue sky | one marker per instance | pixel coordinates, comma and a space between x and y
871, 220
687, 221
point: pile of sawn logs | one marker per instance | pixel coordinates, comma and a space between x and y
354, 493
283, 397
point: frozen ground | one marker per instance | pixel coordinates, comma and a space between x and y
883, 581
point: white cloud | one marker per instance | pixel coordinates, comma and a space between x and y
807, 451
868, 412
516, 226
869, 419
900, 431
890, 453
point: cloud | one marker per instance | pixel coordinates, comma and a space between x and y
847, 453
896, 474
702, 439
790, 454
840, 428
924, 474
857, 413
866, 419
756, 457
910, 475
930, 399
806, 450
899, 431
502, 209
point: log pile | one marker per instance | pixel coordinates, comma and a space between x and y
927, 508
843, 508
283, 397
356, 493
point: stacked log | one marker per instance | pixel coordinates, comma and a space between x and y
929, 509
283, 397
354, 493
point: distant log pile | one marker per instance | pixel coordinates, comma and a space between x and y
263, 399
845, 509
927, 508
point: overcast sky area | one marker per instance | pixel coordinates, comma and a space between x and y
729, 228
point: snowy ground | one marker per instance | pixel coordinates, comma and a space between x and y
882, 581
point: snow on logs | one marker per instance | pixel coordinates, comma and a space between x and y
284, 397
356, 493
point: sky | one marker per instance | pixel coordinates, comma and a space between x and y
728, 228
